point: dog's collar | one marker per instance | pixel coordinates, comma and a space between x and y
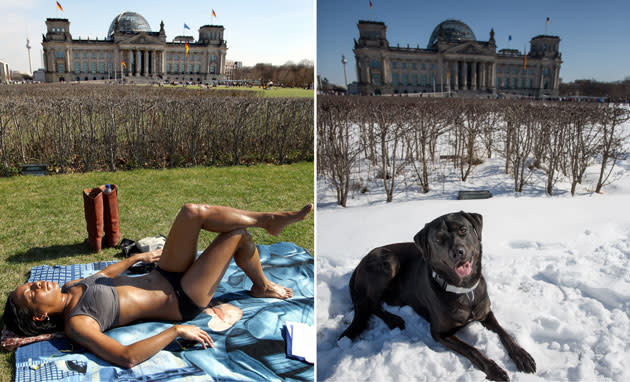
455, 289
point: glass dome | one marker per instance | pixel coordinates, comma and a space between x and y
454, 31
129, 22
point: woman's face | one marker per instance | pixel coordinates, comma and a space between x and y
39, 296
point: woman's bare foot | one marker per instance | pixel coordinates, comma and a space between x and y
271, 290
276, 221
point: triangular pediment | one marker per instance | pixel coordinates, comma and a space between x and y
140, 38
469, 48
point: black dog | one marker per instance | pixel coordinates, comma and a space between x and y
439, 276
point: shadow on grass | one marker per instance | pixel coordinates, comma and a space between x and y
43, 254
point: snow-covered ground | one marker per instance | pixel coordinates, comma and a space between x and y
558, 272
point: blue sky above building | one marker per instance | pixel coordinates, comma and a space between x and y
256, 31
593, 35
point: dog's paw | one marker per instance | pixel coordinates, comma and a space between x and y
394, 321
495, 373
523, 360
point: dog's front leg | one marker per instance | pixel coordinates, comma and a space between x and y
493, 371
523, 360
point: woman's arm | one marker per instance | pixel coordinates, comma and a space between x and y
86, 331
121, 266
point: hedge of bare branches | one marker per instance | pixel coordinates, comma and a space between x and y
74, 128
395, 133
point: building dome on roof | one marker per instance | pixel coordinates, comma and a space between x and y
129, 22
454, 31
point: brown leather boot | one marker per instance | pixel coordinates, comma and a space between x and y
111, 219
93, 207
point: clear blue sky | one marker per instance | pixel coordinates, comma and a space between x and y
274, 31
594, 35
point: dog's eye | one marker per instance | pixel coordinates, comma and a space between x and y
463, 230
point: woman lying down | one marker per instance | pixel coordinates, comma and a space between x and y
177, 290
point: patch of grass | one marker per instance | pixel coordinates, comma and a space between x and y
276, 92
42, 219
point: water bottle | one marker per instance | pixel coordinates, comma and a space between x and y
108, 189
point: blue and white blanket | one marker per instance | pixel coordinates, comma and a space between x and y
253, 349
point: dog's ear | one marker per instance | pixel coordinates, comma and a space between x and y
422, 241
476, 220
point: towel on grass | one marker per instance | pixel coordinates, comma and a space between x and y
251, 350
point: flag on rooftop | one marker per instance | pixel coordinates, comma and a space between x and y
371, 4
186, 26
510, 38
214, 14
547, 21
186, 49
59, 6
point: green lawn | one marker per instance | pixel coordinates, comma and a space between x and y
278, 92
42, 220
275, 92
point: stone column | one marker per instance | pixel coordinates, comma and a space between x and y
473, 76
556, 78
465, 76
138, 61
482, 71
68, 62
449, 75
456, 75
146, 63
163, 62
493, 77
129, 61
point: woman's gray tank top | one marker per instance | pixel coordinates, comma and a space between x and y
99, 301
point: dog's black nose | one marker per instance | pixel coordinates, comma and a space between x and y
458, 252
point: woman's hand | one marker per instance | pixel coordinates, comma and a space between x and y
194, 333
150, 257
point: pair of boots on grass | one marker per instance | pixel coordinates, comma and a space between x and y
101, 214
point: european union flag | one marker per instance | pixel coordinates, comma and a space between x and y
186, 26
510, 37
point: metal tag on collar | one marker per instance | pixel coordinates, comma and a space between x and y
471, 295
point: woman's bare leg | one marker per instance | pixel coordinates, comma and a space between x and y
180, 248
201, 280
248, 259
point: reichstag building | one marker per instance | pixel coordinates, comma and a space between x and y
134, 52
454, 61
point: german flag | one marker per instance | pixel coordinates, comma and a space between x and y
214, 14
186, 49
59, 6
371, 6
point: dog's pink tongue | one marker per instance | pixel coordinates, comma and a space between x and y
463, 270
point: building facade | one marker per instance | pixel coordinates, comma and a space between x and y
231, 67
454, 61
5, 74
132, 51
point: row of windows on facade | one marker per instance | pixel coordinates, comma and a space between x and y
215, 35
175, 57
101, 68
504, 83
404, 79
376, 64
371, 34
500, 68
55, 29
